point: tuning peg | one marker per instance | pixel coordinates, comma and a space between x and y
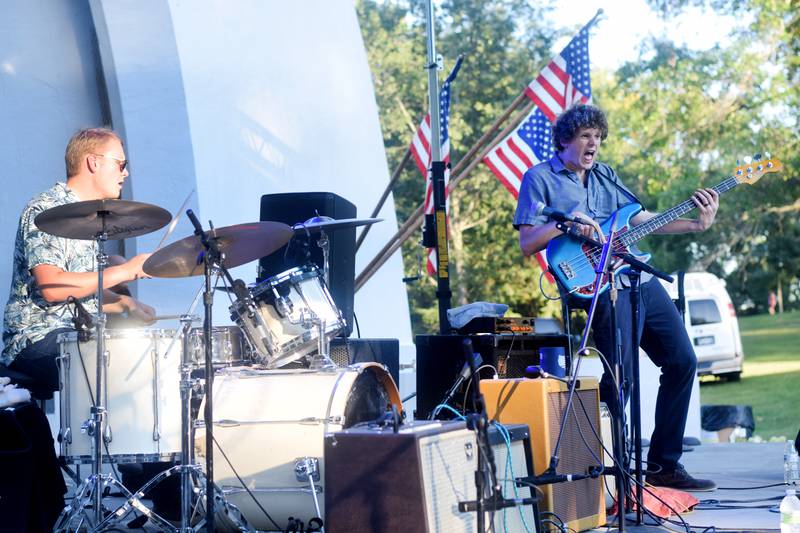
767, 155
738, 163
757, 157
748, 160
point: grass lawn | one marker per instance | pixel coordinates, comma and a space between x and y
771, 376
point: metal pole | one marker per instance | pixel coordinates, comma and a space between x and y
443, 293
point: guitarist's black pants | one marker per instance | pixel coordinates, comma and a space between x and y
663, 336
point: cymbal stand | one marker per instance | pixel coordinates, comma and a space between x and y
91, 490
324, 244
213, 260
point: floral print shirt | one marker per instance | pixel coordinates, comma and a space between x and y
28, 316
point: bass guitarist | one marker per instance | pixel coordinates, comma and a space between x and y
573, 181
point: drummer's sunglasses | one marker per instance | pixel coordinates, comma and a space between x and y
123, 163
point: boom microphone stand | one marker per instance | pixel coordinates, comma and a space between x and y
479, 421
634, 273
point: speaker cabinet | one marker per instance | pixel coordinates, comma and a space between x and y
540, 403
345, 352
413, 480
440, 359
292, 208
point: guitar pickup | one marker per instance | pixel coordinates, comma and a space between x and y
566, 269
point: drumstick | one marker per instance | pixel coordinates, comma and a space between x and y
167, 317
174, 221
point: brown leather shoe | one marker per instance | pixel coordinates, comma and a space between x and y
681, 480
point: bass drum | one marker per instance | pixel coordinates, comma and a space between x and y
269, 421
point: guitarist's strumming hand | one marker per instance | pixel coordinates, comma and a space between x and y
593, 231
707, 201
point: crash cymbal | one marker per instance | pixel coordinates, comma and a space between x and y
239, 244
322, 223
85, 220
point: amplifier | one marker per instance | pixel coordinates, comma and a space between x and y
440, 359
490, 324
412, 481
540, 404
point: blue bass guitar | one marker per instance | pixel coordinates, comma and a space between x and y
573, 262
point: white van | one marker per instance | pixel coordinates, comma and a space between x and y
712, 325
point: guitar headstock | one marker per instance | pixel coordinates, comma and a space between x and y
752, 171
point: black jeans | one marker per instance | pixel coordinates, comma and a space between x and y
38, 360
663, 336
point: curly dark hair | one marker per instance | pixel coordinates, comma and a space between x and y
576, 117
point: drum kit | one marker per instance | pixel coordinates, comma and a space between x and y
275, 391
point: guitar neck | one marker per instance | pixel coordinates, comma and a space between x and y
642, 230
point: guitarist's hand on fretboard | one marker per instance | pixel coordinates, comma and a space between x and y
707, 201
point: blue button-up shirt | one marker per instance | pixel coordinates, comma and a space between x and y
553, 184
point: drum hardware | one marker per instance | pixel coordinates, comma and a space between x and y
98, 220
307, 468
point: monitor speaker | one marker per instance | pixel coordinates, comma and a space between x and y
345, 352
295, 207
413, 480
540, 403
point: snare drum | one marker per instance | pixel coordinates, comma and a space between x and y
228, 347
283, 327
267, 421
142, 396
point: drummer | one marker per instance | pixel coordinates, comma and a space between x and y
48, 269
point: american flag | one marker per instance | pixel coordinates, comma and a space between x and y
563, 82
421, 150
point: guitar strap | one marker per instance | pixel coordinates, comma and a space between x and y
625, 192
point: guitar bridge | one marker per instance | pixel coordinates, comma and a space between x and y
566, 269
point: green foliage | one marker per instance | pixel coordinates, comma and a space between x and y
678, 120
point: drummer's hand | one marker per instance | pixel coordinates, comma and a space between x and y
134, 267
140, 311
592, 231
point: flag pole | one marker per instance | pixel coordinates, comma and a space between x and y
413, 222
437, 239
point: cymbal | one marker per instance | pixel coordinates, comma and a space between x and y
84, 220
321, 223
239, 244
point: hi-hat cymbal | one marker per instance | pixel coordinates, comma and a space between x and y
239, 244
85, 220
321, 223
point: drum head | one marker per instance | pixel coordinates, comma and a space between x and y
369, 398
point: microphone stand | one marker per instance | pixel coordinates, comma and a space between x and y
549, 475
212, 259
634, 275
479, 421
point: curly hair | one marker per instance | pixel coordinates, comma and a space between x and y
84, 142
573, 119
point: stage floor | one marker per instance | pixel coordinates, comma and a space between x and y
731, 466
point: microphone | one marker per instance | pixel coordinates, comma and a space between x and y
474, 358
557, 215
198, 228
82, 319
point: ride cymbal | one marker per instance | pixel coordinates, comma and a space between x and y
238, 244
119, 218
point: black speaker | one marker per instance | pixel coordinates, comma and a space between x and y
440, 359
385, 351
292, 208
